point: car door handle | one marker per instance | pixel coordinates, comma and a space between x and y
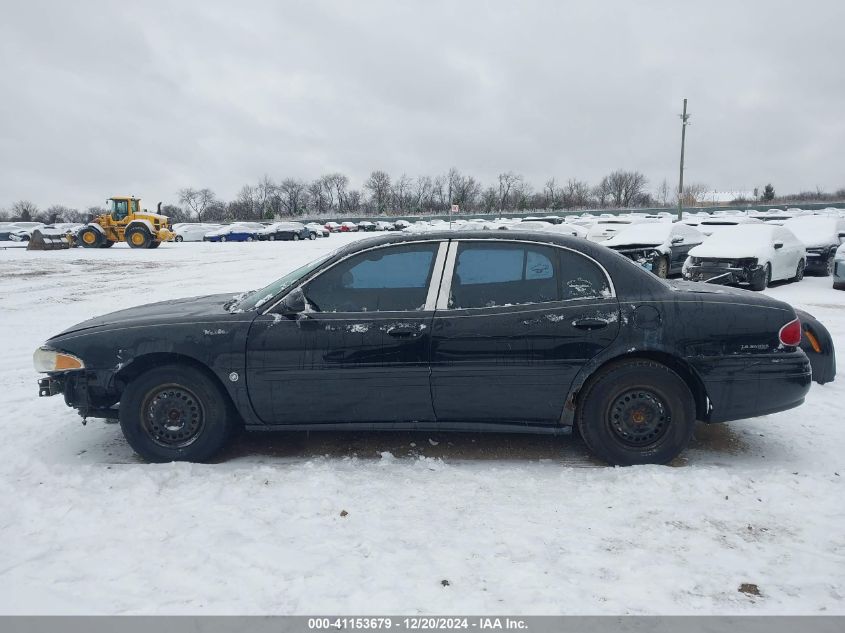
590, 324
403, 332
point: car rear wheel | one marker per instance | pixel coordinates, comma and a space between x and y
763, 281
222, 238
179, 238
636, 412
312, 236
799, 271
175, 413
831, 265
296, 237
249, 238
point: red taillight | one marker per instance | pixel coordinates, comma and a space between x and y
790, 334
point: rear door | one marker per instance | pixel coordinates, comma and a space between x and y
361, 351
515, 321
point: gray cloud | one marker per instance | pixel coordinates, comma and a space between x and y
101, 98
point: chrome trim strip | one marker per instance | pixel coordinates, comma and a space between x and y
446, 284
436, 276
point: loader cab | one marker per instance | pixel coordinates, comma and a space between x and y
120, 208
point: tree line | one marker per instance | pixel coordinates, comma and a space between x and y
332, 195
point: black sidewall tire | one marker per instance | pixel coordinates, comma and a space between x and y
296, 237
765, 279
97, 242
616, 379
217, 425
178, 238
799, 271
147, 238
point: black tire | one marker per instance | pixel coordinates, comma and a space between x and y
272, 238
249, 238
662, 268
831, 265
179, 238
90, 237
296, 237
839, 285
175, 413
107, 244
764, 280
155, 244
138, 237
799, 271
636, 412
222, 238
312, 236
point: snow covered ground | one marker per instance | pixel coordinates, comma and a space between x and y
523, 525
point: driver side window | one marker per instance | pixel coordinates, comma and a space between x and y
383, 280
121, 209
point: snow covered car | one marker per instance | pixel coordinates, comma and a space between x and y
234, 233
821, 236
473, 331
605, 228
286, 231
661, 247
332, 227
366, 226
561, 229
348, 227
723, 223
381, 225
19, 231
753, 254
194, 232
318, 230
839, 269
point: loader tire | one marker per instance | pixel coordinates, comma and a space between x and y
107, 244
138, 237
90, 237
155, 244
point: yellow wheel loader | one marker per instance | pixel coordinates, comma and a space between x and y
126, 222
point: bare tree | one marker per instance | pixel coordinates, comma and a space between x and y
489, 200
378, 184
507, 181
401, 193
197, 200
265, 192
422, 194
354, 200
335, 185
24, 211
292, 194
576, 195
318, 198
694, 194
665, 194
552, 194
625, 186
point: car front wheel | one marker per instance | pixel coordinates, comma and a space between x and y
763, 280
636, 412
175, 413
799, 271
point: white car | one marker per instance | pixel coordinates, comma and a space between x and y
661, 247
381, 225
317, 229
821, 236
605, 228
561, 229
723, 223
753, 254
194, 232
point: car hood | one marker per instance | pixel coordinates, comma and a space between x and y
191, 309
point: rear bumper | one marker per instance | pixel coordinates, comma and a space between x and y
745, 386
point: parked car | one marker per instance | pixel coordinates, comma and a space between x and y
661, 247
234, 233
18, 231
753, 254
562, 229
821, 236
366, 226
401, 225
194, 232
333, 227
722, 224
486, 331
605, 228
318, 230
348, 227
839, 269
286, 231
381, 225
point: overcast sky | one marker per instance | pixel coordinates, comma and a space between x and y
143, 98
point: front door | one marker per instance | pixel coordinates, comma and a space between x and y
361, 351
515, 322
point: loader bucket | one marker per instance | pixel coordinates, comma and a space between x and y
48, 241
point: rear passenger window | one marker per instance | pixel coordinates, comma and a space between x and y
490, 275
581, 278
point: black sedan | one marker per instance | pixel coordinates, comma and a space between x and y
510, 332
286, 231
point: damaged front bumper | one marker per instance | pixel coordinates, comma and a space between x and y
83, 391
725, 273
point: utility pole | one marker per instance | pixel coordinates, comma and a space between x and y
684, 118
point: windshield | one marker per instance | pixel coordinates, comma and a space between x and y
257, 298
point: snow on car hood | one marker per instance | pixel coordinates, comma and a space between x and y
740, 242
815, 231
645, 234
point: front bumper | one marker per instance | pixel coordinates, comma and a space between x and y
724, 274
86, 391
165, 235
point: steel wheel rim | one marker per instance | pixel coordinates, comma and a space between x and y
88, 237
639, 417
172, 416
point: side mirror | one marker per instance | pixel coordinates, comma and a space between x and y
293, 303
678, 240
778, 245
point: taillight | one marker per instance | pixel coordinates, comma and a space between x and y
790, 334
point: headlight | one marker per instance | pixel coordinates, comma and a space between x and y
48, 360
